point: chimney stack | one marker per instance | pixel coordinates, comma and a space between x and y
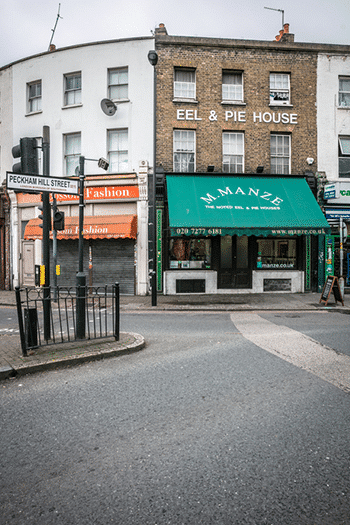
284, 35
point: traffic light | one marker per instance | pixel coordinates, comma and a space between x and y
58, 220
41, 216
27, 151
44, 215
160, 181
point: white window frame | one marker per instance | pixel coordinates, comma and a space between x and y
344, 156
232, 152
280, 154
118, 83
344, 93
184, 148
118, 155
72, 94
184, 89
72, 152
34, 98
232, 91
280, 89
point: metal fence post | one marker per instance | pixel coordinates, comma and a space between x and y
20, 321
116, 311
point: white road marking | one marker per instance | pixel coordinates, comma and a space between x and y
296, 348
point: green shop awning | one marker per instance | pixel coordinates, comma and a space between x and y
230, 205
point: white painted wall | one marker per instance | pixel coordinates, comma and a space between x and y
136, 114
93, 61
332, 120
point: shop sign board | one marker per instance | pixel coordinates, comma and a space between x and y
261, 117
337, 213
331, 285
38, 183
94, 193
337, 192
331, 191
159, 249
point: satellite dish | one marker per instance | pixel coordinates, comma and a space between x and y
108, 107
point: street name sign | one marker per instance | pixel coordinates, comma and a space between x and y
38, 183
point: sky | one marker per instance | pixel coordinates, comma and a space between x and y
26, 27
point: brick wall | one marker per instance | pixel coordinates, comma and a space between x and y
209, 57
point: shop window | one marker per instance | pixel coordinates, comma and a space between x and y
190, 253
34, 97
233, 152
280, 154
232, 86
279, 89
184, 151
277, 254
72, 89
344, 92
118, 150
344, 157
118, 83
72, 152
185, 83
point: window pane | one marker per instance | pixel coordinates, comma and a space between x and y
184, 84
118, 83
184, 151
72, 152
280, 154
118, 150
279, 88
73, 82
344, 84
72, 144
344, 167
344, 144
34, 97
233, 152
183, 75
279, 81
118, 92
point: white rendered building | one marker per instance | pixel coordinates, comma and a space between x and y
63, 89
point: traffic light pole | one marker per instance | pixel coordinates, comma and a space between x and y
46, 233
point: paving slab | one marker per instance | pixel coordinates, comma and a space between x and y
13, 363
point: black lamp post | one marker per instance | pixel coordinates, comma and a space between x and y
81, 277
153, 59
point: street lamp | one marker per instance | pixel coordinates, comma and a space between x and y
153, 59
80, 276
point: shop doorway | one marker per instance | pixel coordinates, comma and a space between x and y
235, 269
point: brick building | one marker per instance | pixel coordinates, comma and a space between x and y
237, 139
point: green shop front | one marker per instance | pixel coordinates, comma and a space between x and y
240, 233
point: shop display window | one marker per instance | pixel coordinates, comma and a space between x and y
277, 254
193, 254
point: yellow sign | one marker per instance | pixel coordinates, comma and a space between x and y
42, 275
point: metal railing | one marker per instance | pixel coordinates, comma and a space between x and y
48, 316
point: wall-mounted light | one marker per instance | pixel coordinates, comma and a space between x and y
260, 169
210, 168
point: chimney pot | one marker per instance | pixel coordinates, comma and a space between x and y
52, 47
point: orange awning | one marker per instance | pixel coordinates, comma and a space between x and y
95, 227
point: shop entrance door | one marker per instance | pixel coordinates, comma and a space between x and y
234, 270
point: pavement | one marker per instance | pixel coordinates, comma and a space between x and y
12, 363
